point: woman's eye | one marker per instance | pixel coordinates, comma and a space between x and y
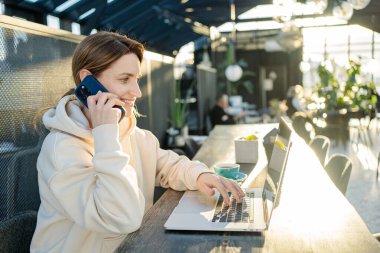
125, 80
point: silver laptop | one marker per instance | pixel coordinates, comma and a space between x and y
196, 211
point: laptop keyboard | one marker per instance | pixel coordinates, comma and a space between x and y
236, 212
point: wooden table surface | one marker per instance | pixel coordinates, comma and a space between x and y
312, 215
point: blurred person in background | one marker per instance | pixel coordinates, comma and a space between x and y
295, 100
219, 114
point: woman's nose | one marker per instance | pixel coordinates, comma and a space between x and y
136, 92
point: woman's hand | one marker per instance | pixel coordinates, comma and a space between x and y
206, 183
101, 109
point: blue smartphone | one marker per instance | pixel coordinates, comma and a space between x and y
89, 87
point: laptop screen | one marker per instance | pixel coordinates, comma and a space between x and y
279, 156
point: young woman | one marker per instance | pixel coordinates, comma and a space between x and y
97, 176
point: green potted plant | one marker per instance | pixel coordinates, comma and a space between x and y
362, 94
352, 94
178, 108
179, 113
338, 102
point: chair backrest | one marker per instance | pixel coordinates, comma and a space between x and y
16, 232
191, 148
339, 169
5, 159
321, 146
23, 192
21, 189
302, 126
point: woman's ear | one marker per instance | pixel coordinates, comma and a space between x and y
83, 73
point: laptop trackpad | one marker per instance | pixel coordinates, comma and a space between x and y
195, 202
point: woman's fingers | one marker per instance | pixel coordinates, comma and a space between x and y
234, 188
103, 98
208, 190
223, 191
112, 102
208, 182
101, 108
92, 100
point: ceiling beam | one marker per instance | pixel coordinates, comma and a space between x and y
73, 14
157, 35
127, 21
123, 12
132, 21
95, 18
196, 26
50, 5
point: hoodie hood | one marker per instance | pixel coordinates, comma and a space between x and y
68, 117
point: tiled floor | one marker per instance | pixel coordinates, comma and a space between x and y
364, 189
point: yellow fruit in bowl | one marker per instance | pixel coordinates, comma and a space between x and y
250, 137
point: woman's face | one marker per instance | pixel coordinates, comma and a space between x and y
121, 79
224, 101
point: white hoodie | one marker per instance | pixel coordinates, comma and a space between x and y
95, 184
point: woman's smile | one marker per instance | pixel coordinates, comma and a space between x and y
128, 102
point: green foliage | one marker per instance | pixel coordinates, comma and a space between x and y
351, 94
178, 108
230, 54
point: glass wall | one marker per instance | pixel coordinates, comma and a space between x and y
335, 46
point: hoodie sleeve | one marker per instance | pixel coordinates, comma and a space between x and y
177, 172
98, 192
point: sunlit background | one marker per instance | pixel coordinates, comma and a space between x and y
316, 31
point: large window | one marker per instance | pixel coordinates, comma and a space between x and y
339, 44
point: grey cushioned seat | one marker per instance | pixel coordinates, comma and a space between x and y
16, 232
